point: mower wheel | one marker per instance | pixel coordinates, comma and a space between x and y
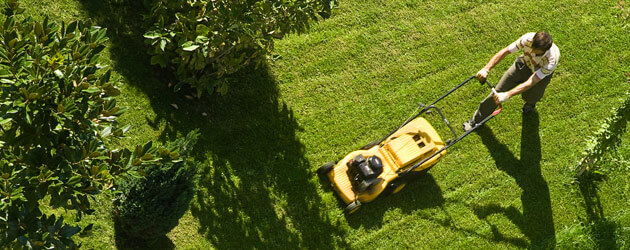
369, 145
353, 207
324, 169
395, 186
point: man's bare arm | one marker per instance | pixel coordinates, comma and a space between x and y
504, 96
483, 73
497, 58
525, 85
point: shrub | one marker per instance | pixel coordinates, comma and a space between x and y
204, 40
57, 113
150, 207
607, 139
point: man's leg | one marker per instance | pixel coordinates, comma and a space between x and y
534, 94
515, 75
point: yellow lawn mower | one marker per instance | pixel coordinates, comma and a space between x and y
382, 165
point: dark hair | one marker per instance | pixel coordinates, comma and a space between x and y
542, 41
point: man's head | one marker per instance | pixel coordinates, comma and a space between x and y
542, 42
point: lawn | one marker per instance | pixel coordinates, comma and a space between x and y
351, 79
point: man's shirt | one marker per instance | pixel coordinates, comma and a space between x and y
544, 64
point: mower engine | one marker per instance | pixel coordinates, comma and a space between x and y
363, 172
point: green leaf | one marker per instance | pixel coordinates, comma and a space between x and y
59, 223
146, 147
74, 180
38, 29
92, 90
28, 118
100, 37
2, 122
202, 30
69, 231
223, 88
189, 46
87, 228
58, 73
151, 35
155, 59
106, 131
126, 128
7, 81
71, 27
162, 44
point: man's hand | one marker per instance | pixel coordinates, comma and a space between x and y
482, 75
501, 97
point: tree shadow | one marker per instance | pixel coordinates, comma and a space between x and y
258, 192
536, 219
125, 242
421, 192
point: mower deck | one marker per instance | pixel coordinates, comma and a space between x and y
412, 143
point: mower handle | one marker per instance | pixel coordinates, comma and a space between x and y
450, 143
430, 106
457, 138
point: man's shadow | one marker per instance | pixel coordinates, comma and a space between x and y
536, 219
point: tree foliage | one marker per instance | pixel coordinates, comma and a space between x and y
204, 40
57, 114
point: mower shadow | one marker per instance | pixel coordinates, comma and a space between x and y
421, 192
536, 219
258, 192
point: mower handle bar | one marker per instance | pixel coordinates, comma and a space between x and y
430, 106
456, 137
452, 142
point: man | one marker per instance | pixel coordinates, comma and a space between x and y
529, 75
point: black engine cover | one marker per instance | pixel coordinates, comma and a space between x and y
360, 169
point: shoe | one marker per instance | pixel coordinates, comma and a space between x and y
468, 125
528, 108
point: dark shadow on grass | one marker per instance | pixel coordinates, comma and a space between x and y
602, 230
421, 192
536, 219
125, 242
258, 192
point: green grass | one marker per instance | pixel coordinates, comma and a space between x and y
350, 80
602, 228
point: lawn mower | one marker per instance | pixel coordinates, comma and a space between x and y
383, 166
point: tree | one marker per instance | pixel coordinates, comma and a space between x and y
202, 41
57, 116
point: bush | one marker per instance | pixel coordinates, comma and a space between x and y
607, 139
150, 207
204, 40
56, 109
57, 114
